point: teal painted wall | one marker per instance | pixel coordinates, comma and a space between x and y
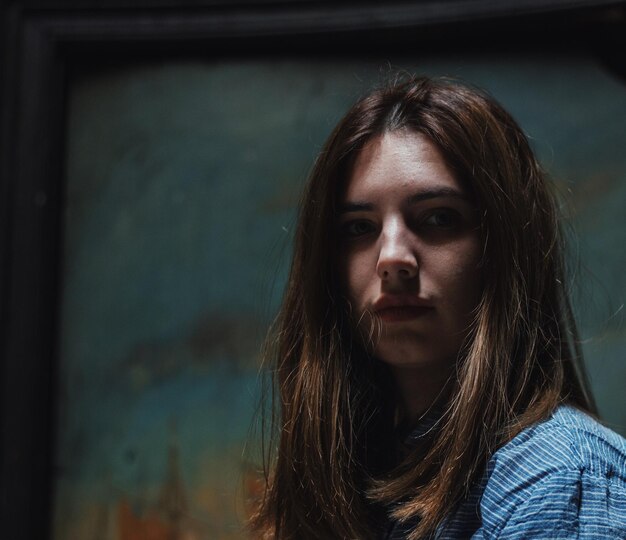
182, 181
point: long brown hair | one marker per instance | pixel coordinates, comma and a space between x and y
330, 476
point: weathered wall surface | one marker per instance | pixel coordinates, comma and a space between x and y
182, 181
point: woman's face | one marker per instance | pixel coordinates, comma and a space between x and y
409, 251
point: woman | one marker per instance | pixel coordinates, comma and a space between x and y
427, 366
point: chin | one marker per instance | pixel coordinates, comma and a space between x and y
412, 354
405, 357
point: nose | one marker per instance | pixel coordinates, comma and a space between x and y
397, 259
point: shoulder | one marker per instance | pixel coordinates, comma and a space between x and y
569, 439
555, 477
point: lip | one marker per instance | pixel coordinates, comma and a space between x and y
401, 308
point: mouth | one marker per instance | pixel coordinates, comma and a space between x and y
401, 308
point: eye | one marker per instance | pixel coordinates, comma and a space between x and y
356, 228
442, 218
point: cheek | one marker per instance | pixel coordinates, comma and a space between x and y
355, 270
460, 274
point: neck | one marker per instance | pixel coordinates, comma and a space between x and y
419, 388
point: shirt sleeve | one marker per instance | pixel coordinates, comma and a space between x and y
561, 504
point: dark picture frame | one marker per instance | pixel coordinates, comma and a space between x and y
43, 43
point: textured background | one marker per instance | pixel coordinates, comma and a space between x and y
182, 180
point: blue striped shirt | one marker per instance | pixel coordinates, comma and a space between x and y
562, 478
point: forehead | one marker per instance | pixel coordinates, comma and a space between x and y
399, 160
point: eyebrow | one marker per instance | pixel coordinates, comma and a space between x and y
357, 206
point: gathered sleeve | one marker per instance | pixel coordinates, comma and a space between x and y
552, 486
562, 504
563, 478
